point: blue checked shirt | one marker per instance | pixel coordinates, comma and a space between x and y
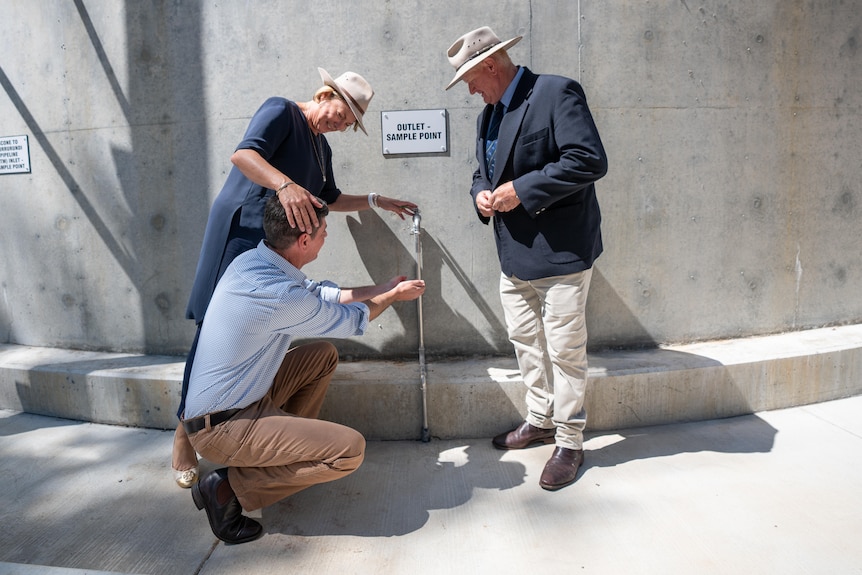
260, 304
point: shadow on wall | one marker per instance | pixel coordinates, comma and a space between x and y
5, 320
446, 332
605, 330
117, 250
147, 192
167, 157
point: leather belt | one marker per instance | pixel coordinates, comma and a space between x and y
195, 424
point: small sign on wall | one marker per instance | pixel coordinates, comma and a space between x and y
414, 132
14, 155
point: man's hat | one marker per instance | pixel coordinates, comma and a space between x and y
472, 48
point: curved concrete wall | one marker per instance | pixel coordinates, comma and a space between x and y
732, 206
475, 397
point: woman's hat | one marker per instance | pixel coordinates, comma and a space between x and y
472, 48
353, 89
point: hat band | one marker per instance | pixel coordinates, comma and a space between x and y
351, 98
478, 53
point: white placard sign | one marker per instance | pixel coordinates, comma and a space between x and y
14, 155
414, 132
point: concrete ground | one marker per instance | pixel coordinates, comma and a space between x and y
775, 492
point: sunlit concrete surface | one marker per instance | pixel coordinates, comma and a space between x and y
774, 492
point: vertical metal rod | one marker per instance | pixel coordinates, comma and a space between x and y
423, 370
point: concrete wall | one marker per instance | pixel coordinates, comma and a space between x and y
732, 205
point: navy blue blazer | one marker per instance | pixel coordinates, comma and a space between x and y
549, 147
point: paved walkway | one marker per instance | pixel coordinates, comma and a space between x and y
777, 492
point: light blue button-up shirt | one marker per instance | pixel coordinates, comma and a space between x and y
259, 305
506, 99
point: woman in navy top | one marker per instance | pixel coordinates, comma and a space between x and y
283, 152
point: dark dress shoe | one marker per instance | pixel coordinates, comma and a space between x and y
227, 521
562, 468
523, 436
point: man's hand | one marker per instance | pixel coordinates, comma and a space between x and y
504, 198
399, 289
408, 290
483, 203
385, 287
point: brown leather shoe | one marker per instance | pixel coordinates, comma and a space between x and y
523, 436
562, 468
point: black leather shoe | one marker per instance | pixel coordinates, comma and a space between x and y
562, 468
523, 436
227, 521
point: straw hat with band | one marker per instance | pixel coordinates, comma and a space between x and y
473, 47
353, 89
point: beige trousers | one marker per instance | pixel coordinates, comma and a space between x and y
545, 319
276, 446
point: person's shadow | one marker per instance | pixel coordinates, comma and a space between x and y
742, 434
400, 483
395, 489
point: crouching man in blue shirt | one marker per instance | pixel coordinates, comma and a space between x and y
253, 402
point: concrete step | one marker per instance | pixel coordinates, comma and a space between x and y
470, 397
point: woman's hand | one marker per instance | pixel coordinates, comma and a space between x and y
400, 207
299, 204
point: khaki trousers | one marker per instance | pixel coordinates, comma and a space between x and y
276, 447
546, 323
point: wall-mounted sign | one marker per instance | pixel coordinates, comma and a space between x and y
414, 132
14, 155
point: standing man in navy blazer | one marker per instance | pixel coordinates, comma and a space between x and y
539, 156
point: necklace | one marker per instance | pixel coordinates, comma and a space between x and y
318, 154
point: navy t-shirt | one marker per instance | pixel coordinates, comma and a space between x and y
279, 132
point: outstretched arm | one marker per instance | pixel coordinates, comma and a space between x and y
354, 203
350, 295
379, 297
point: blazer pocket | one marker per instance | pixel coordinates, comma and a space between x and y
558, 231
534, 138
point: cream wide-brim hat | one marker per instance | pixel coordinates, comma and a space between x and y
473, 47
353, 89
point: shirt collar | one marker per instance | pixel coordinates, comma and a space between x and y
271, 256
506, 100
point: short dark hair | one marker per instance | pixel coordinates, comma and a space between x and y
279, 233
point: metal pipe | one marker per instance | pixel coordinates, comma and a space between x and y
423, 370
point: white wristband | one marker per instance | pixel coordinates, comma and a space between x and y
372, 200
